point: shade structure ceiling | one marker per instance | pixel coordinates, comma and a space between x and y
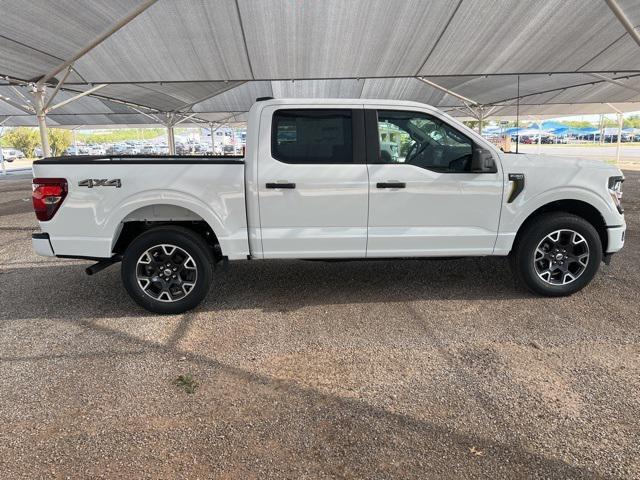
207, 61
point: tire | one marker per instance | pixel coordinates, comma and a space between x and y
167, 269
549, 257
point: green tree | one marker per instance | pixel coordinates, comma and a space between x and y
577, 123
24, 139
59, 140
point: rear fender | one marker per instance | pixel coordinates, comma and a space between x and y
214, 219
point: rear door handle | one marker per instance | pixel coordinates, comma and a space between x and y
281, 185
391, 185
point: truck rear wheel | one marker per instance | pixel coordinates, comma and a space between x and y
167, 269
557, 254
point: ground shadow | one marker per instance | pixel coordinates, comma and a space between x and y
65, 291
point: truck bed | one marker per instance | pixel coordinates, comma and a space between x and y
135, 159
106, 191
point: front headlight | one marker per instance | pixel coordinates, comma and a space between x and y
615, 190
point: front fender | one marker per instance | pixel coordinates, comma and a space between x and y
515, 214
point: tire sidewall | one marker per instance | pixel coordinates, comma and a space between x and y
180, 237
534, 235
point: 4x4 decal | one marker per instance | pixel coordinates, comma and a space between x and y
100, 182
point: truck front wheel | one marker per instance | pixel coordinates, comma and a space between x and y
557, 254
167, 269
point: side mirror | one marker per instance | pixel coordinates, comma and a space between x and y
482, 161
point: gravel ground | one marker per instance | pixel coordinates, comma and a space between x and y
413, 369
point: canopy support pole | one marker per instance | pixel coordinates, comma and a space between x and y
620, 120
38, 92
480, 119
518, 116
171, 140
213, 144
539, 122
619, 138
75, 142
4, 168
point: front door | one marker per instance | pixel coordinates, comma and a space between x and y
424, 199
313, 182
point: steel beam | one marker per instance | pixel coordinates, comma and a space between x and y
58, 86
624, 20
614, 81
448, 92
20, 106
230, 86
184, 119
97, 41
76, 97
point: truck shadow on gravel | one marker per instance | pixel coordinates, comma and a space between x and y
331, 435
270, 286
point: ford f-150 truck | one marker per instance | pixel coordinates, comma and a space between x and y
330, 179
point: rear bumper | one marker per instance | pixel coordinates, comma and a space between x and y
615, 238
42, 245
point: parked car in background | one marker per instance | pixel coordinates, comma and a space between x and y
79, 150
11, 154
96, 150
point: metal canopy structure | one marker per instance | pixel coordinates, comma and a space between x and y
151, 62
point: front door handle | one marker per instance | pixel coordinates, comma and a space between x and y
391, 185
281, 185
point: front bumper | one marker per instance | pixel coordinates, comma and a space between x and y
615, 238
42, 245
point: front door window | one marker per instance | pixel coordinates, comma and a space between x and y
414, 138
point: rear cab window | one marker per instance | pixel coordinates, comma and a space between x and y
316, 136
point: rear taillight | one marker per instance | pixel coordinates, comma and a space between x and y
48, 195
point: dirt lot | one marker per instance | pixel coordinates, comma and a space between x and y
415, 369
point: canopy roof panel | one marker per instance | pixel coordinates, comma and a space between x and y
510, 36
212, 59
173, 41
337, 38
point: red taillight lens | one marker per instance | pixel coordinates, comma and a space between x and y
48, 195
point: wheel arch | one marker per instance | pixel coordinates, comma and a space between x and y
579, 208
146, 217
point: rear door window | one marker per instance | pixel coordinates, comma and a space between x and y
318, 136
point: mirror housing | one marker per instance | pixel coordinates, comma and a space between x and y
482, 161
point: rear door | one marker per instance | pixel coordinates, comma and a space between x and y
313, 182
424, 199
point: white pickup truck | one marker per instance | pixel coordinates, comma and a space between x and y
328, 179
